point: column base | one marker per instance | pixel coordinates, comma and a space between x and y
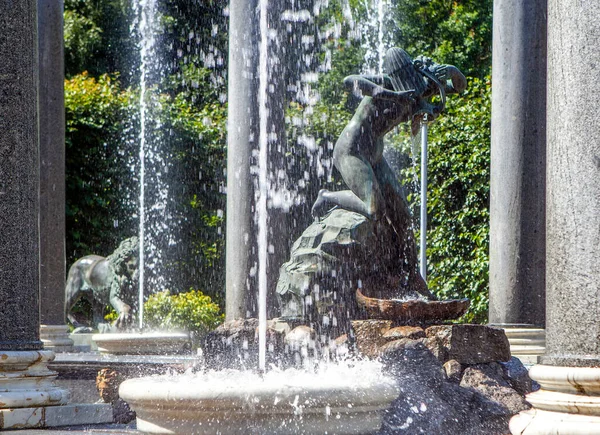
26, 381
56, 338
526, 343
538, 422
567, 403
53, 416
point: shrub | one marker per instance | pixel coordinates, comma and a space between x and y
192, 311
97, 162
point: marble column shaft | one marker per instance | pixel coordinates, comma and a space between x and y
19, 177
573, 192
242, 148
52, 162
518, 162
242, 137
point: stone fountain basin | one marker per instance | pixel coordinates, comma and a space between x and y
147, 343
339, 400
412, 311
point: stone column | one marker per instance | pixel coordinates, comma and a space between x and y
242, 149
518, 165
26, 383
242, 137
53, 331
569, 373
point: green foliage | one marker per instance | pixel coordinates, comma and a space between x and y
111, 314
97, 113
449, 31
458, 204
81, 35
97, 37
191, 311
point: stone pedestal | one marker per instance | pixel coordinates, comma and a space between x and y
518, 165
54, 332
569, 401
28, 390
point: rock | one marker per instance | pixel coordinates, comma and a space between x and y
471, 344
341, 347
412, 332
234, 344
427, 403
435, 346
334, 257
454, 370
301, 336
517, 375
369, 335
432, 401
488, 379
122, 413
412, 358
342, 340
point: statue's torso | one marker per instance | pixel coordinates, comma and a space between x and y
372, 120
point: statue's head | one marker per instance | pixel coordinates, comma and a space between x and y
399, 66
126, 256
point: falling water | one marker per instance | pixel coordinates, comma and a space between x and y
146, 18
263, 186
380, 30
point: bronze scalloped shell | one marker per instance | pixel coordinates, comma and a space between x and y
413, 310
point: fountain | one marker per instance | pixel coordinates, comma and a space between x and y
434, 367
385, 308
346, 397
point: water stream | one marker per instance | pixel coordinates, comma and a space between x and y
146, 13
263, 181
153, 190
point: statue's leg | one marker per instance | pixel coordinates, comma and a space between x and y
397, 207
397, 211
364, 196
73, 291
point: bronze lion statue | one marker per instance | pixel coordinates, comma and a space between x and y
106, 280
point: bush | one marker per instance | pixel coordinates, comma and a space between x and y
191, 311
98, 116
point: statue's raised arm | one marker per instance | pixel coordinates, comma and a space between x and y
378, 87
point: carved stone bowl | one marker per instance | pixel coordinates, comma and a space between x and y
412, 311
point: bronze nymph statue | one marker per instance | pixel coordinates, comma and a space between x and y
365, 245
